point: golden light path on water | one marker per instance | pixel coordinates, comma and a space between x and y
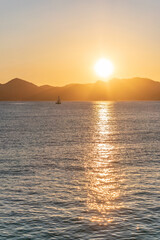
102, 174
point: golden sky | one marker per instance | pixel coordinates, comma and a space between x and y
58, 42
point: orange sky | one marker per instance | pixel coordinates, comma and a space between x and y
58, 42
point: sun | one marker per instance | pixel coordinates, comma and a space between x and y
104, 68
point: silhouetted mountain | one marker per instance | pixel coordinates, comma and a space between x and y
17, 89
115, 89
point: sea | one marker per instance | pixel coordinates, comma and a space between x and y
80, 170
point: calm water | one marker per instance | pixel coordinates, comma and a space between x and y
80, 170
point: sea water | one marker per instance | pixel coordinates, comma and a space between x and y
80, 170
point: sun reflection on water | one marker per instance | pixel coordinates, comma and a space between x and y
103, 177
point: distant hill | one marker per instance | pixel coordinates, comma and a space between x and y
115, 89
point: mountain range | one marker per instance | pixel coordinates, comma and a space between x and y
112, 90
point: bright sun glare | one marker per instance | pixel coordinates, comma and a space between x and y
103, 68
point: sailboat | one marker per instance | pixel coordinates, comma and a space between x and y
58, 100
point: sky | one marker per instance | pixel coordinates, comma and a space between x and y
57, 42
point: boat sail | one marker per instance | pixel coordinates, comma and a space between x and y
58, 100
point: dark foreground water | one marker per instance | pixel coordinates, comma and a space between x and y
80, 170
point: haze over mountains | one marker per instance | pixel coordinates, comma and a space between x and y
115, 89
